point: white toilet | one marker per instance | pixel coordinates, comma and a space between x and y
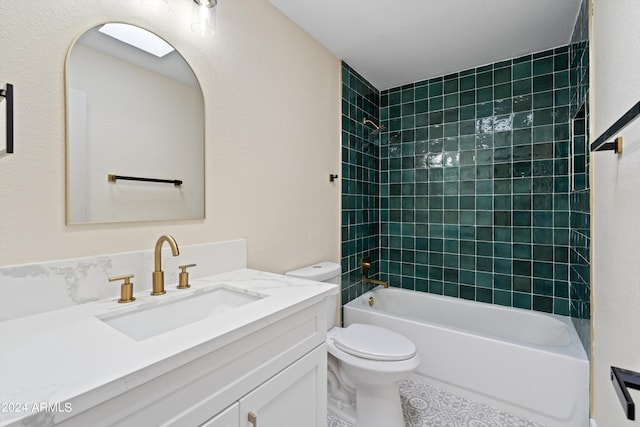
366, 363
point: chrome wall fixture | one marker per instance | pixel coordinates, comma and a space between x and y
7, 94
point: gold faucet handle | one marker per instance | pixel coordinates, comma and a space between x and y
126, 288
365, 265
184, 276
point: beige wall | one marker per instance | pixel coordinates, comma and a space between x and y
615, 87
272, 105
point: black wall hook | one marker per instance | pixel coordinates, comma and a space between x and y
7, 93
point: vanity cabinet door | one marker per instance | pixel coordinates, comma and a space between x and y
230, 417
295, 397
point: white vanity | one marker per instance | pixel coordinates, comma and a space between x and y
258, 359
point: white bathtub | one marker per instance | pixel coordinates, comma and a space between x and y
528, 363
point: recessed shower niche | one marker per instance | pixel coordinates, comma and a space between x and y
135, 131
579, 150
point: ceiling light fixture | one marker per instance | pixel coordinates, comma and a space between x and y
204, 17
206, 3
137, 37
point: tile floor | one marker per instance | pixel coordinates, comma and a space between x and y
427, 406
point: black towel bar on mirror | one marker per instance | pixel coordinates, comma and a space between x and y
113, 178
601, 143
7, 94
623, 379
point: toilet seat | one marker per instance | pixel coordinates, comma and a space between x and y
373, 343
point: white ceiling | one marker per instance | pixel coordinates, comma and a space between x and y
394, 42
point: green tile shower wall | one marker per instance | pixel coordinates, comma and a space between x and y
360, 179
580, 241
474, 183
470, 191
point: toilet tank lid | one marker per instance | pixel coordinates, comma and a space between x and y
319, 272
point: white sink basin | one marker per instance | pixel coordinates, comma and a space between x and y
153, 319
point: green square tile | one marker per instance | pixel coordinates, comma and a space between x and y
484, 79
522, 136
484, 295
541, 303
501, 297
468, 97
502, 75
543, 83
502, 91
522, 235
395, 98
484, 109
421, 106
543, 100
521, 300
502, 106
451, 85
421, 92
484, 94
561, 79
522, 251
407, 95
543, 66
522, 70
435, 103
561, 96
435, 88
484, 217
522, 103
467, 202
502, 202
484, 280
451, 100
522, 218
467, 82
561, 306
502, 139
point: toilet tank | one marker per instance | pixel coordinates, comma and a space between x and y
328, 272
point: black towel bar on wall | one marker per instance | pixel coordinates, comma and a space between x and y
601, 143
113, 178
623, 379
7, 93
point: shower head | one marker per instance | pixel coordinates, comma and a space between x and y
377, 129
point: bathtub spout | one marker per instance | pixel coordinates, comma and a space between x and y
365, 266
366, 279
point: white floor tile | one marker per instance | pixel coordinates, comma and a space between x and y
424, 405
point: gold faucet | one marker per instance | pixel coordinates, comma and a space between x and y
365, 265
158, 274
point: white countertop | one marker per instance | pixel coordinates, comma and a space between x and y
70, 357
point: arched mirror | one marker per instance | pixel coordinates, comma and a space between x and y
135, 129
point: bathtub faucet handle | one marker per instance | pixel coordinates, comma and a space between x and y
365, 265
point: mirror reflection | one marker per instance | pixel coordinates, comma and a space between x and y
135, 129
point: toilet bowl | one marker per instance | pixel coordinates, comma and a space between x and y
372, 361
365, 363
